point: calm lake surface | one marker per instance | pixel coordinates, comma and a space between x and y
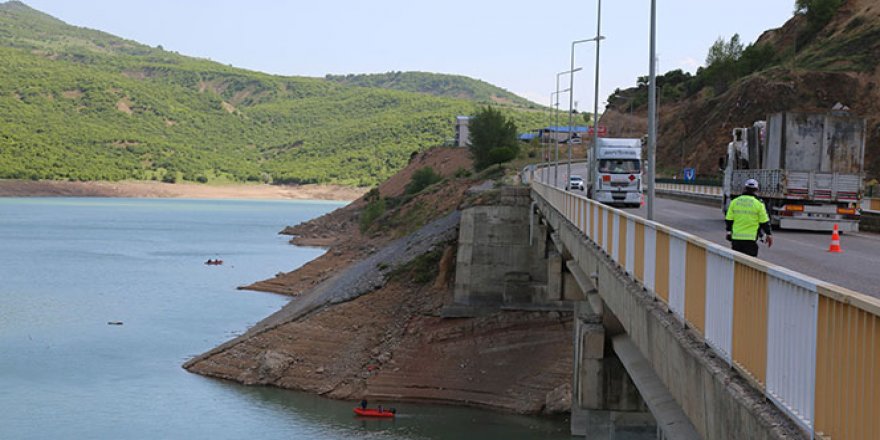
70, 266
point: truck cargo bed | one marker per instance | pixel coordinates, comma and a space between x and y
802, 185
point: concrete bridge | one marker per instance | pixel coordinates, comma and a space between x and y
706, 342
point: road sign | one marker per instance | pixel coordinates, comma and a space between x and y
690, 174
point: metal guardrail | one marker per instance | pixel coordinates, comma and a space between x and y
706, 190
813, 348
871, 205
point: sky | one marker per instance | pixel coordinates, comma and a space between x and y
517, 45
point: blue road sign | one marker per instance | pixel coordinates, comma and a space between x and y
690, 174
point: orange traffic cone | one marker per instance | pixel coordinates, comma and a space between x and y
835, 241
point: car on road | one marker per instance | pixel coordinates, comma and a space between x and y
575, 182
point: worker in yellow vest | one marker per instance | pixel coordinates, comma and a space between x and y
746, 218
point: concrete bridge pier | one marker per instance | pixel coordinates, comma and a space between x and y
606, 403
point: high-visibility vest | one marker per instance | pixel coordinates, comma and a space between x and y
747, 212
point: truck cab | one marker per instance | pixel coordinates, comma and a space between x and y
618, 180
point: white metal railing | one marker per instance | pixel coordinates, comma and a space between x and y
707, 190
812, 347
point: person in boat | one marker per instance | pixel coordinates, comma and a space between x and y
380, 409
364, 404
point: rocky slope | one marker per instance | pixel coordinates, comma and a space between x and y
366, 321
839, 65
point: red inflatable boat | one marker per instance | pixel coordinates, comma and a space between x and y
370, 412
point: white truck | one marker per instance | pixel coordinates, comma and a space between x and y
619, 178
809, 167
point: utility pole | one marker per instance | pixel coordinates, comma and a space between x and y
594, 169
556, 136
652, 112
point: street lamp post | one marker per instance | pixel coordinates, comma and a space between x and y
652, 112
594, 171
555, 136
597, 38
546, 157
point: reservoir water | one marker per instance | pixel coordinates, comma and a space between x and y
68, 267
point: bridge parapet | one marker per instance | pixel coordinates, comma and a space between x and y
811, 347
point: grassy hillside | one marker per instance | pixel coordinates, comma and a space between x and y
84, 105
451, 86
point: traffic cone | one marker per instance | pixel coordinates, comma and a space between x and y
835, 241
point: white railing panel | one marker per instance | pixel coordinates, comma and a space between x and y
719, 303
582, 214
650, 257
677, 264
615, 238
606, 230
594, 229
609, 229
791, 347
630, 246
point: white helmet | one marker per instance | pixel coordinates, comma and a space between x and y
751, 183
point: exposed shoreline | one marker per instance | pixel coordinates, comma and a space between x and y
150, 189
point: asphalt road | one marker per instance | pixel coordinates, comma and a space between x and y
857, 268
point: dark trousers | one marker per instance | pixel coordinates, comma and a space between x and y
748, 247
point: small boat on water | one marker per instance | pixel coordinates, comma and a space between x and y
214, 262
371, 412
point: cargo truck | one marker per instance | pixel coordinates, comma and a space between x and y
810, 168
619, 178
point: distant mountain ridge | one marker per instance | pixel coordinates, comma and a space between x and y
437, 84
81, 104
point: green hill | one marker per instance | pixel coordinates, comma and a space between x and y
451, 86
80, 104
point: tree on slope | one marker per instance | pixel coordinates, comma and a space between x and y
492, 138
818, 13
725, 51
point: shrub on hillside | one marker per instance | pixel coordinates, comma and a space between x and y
421, 179
371, 212
462, 172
